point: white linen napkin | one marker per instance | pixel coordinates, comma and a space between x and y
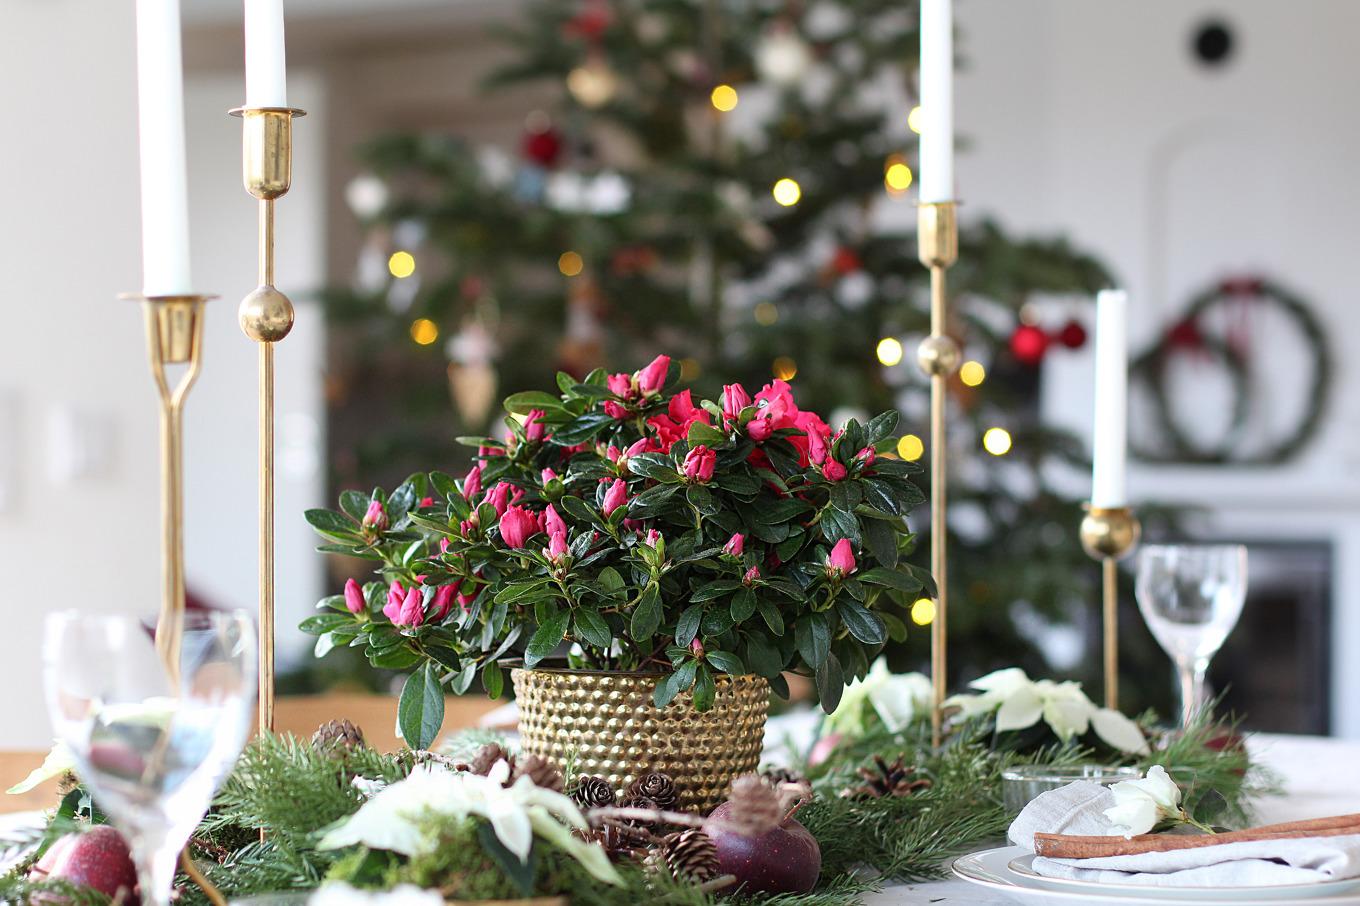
1078, 808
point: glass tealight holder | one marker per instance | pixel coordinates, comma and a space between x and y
1020, 784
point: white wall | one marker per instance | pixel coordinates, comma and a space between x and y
72, 355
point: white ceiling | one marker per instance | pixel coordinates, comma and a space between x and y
216, 12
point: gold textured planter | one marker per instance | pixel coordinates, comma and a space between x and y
607, 722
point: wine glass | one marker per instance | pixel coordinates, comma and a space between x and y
1191, 596
152, 752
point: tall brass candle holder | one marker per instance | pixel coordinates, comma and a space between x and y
938, 355
1108, 534
174, 336
266, 316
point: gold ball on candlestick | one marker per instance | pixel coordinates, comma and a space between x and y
1109, 532
938, 355
266, 315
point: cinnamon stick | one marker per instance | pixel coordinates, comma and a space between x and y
1071, 846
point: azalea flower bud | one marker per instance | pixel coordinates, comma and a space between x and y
734, 399
833, 471
697, 647
735, 545
472, 485
553, 523
376, 517
653, 538
841, 561
547, 475
620, 385
866, 456
557, 547
444, 545
354, 597
412, 612
760, 428
653, 377
395, 595
424, 502
817, 450
443, 601
751, 575
517, 525
499, 497
468, 527
533, 425
699, 463
615, 410
616, 496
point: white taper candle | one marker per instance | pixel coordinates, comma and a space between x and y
266, 69
165, 178
937, 101
1109, 442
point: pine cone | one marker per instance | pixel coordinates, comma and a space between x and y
540, 770
755, 807
620, 843
883, 779
338, 733
657, 787
688, 856
593, 792
639, 802
486, 759
777, 776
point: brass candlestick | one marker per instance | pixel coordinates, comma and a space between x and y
174, 336
266, 316
1109, 534
938, 355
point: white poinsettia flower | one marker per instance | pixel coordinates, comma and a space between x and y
58, 762
1140, 805
1021, 709
395, 819
897, 698
1066, 708
1002, 683
1118, 731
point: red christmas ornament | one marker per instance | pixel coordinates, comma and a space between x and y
1028, 344
590, 23
542, 146
1185, 335
1072, 335
846, 261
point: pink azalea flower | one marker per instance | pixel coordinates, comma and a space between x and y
375, 517
615, 410
699, 463
841, 561
533, 425
412, 612
653, 377
395, 595
424, 502
444, 545
616, 496
734, 399
472, 485
620, 385
553, 524
833, 471
517, 525
735, 545
547, 475
502, 495
653, 538
751, 575
443, 601
557, 547
354, 597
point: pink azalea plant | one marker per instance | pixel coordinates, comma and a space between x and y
622, 525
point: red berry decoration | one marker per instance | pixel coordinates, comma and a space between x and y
1028, 344
846, 261
1073, 334
542, 146
97, 858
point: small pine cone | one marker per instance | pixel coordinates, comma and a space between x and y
337, 733
486, 759
593, 792
756, 809
657, 787
688, 856
776, 777
542, 771
620, 843
883, 779
639, 802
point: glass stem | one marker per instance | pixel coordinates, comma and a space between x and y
1192, 690
155, 872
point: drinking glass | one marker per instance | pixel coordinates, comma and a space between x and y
151, 752
1191, 596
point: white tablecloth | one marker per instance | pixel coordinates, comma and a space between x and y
1320, 779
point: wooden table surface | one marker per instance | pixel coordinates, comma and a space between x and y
300, 715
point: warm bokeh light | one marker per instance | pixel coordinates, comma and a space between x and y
724, 98
401, 264
689, 369
784, 368
424, 331
910, 447
889, 351
996, 441
914, 119
766, 313
570, 264
787, 192
972, 373
923, 611
897, 177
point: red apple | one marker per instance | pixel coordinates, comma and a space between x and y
784, 860
97, 858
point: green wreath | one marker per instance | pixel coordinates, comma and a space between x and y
1151, 368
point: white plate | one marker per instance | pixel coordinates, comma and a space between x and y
1024, 865
991, 868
